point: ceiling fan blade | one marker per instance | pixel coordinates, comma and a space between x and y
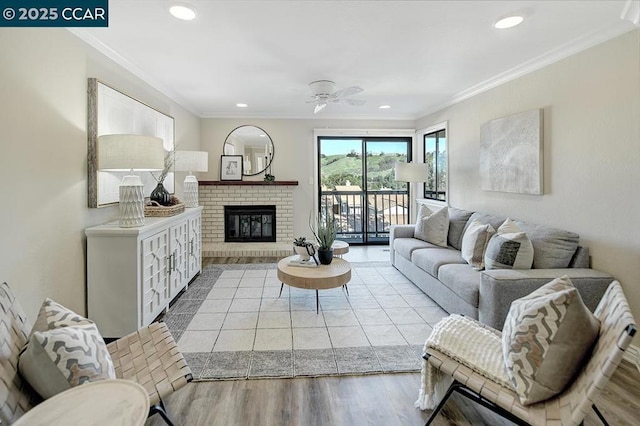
347, 91
349, 101
355, 102
319, 107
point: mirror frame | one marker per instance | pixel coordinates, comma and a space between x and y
273, 149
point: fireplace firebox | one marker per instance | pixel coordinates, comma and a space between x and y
249, 224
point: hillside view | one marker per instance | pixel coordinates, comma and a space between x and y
346, 169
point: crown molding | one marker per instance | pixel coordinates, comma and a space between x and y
131, 67
561, 52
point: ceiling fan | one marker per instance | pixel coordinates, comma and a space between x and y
323, 93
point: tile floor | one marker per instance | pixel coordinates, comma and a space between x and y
242, 312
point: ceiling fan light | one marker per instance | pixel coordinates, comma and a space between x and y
319, 107
183, 11
508, 22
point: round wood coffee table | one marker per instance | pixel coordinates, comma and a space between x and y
322, 277
106, 402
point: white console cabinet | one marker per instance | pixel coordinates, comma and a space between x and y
134, 273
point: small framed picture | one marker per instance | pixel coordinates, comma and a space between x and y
231, 167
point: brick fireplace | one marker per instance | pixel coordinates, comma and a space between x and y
215, 195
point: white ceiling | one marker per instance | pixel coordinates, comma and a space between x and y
416, 56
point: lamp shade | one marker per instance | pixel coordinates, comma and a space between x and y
127, 152
411, 172
191, 161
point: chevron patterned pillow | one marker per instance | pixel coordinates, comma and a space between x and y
56, 360
545, 339
53, 315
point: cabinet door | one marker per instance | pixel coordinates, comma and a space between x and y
155, 276
179, 251
195, 246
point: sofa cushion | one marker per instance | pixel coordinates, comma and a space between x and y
56, 360
431, 226
53, 315
552, 248
463, 280
493, 220
474, 242
429, 260
405, 246
546, 336
510, 248
458, 219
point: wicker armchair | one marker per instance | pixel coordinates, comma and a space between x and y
149, 357
572, 405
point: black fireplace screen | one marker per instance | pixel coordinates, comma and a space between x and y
249, 224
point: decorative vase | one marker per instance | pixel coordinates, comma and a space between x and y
302, 252
160, 195
325, 256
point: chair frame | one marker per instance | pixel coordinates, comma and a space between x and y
615, 349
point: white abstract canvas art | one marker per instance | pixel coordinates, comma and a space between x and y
511, 153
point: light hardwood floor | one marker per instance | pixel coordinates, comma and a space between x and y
382, 399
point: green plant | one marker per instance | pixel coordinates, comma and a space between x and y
301, 242
325, 231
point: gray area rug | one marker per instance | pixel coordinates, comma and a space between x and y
246, 364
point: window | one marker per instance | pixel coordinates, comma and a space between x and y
435, 154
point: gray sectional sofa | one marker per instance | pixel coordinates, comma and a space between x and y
486, 295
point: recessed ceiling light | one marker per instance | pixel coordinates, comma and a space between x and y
242, 105
384, 106
262, 135
508, 22
183, 11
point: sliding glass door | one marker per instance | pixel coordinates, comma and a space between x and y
357, 186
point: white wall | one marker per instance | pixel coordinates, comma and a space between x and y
294, 149
591, 105
43, 159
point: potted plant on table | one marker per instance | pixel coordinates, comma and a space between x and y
303, 248
325, 232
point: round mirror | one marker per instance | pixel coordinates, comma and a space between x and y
255, 146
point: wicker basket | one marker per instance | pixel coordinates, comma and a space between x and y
163, 211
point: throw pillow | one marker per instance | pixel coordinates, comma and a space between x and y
56, 360
474, 243
53, 315
510, 248
545, 339
432, 227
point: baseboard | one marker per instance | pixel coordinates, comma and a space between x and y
632, 354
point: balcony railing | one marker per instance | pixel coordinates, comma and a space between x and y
366, 220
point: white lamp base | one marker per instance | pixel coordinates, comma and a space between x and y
131, 202
190, 189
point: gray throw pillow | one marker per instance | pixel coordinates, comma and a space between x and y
458, 219
58, 359
545, 339
509, 249
552, 248
432, 227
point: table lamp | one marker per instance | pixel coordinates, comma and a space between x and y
129, 153
191, 161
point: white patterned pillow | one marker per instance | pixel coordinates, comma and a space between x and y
56, 360
53, 315
510, 248
432, 227
545, 339
474, 243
